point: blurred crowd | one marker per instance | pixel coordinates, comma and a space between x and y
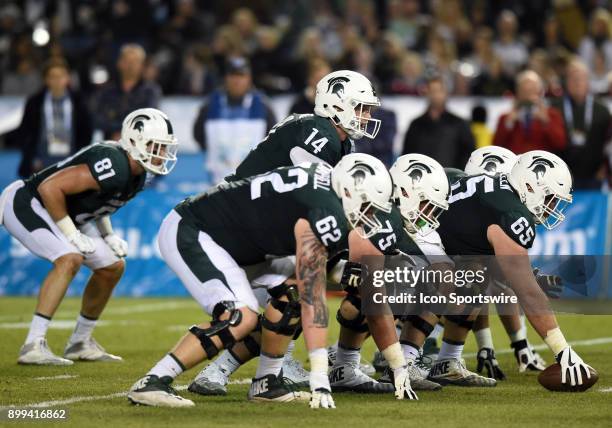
478, 46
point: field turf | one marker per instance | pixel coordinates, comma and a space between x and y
142, 330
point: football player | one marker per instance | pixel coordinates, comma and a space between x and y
303, 210
62, 214
537, 190
343, 102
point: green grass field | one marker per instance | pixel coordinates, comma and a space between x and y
142, 330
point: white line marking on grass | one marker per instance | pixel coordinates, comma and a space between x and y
66, 324
78, 399
62, 376
587, 342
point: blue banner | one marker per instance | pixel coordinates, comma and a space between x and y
583, 232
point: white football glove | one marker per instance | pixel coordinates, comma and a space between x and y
118, 245
402, 384
322, 399
82, 242
572, 363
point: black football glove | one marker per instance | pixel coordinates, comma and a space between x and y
352, 274
552, 285
486, 360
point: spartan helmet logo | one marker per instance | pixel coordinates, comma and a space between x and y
359, 172
336, 85
416, 171
539, 166
138, 122
490, 163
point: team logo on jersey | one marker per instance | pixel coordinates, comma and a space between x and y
490, 163
539, 166
416, 171
336, 85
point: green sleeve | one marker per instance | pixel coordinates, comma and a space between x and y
110, 168
519, 226
330, 227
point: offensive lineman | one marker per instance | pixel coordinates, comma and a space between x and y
62, 214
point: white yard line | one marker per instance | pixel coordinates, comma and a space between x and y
62, 376
78, 399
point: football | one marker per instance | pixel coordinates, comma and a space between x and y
551, 380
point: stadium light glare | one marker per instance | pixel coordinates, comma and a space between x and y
40, 35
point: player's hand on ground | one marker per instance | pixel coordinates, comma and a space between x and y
552, 285
572, 367
82, 242
118, 245
322, 399
403, 390
487, 361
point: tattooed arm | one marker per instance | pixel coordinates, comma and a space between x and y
311, 259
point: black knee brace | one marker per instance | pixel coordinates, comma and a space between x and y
218, 328
460, 320
358, 324
420, 324
290, 310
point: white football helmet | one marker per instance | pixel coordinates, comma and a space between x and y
420, 188
147, 135
490, 160
363, 184
544, 184
345, 96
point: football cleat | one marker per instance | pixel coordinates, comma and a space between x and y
379, 362
152, 390
275, 389
431, 349
418, 378
212, 380
37, 352
348, 378
364, 366
525, 357
453, 372
294, 371
88, 350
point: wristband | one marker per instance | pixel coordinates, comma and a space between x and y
104, 226
394, 356
318, 360
66, 225
555, 341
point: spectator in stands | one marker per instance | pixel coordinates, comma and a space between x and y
128, 93
406, 22
439, 133
511, 51
587, 125
55, 123
598, 40
530, 125
232, 121
482, 134
410, 80
304, 103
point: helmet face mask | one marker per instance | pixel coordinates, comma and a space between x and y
147, 135
421, 191
348, 98
544, 184
490, 160
363, 184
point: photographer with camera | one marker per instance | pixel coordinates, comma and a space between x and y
531, 124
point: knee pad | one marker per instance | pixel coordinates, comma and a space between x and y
358, 324
420, 324
218, 328
460, 320
289, 310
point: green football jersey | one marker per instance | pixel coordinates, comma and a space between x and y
393, 237
296, 137
255, 217
476, 202
110, 167
454, 174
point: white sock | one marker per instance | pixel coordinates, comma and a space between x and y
227, 362
410, 352
438, 329
450, 351
167, 366
83, 329
290, 348
349, 356
484, 339
268, 365
38, 327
